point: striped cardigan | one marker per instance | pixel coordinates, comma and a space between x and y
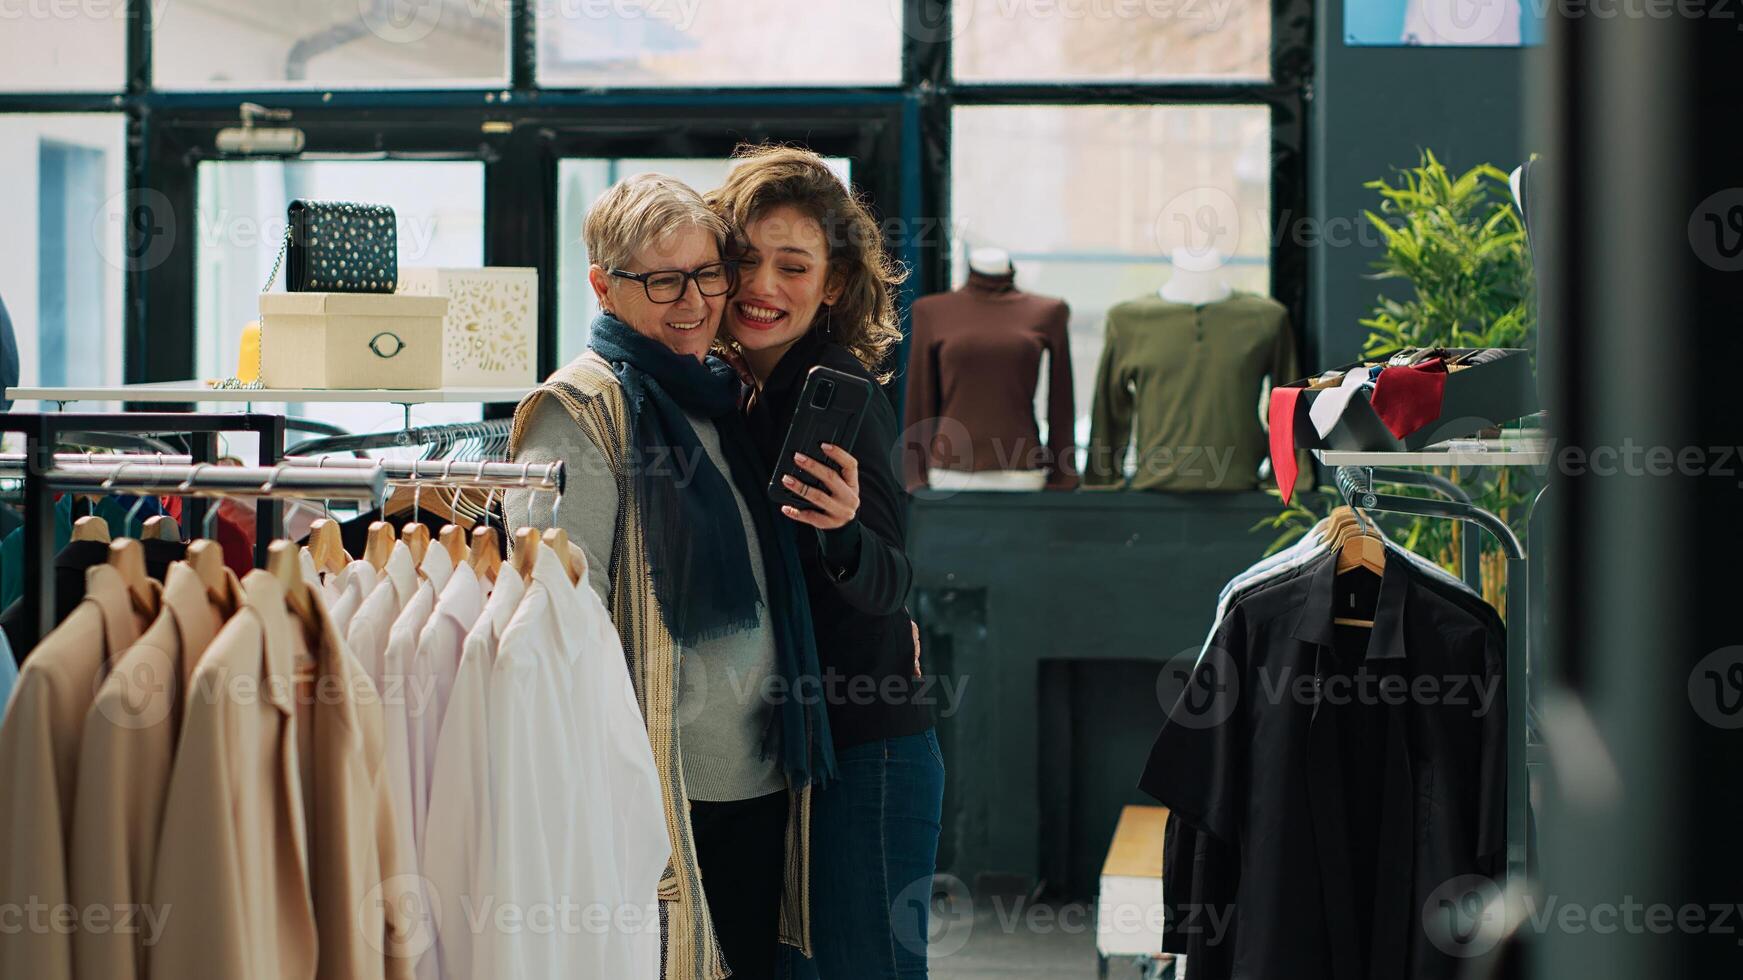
589, 390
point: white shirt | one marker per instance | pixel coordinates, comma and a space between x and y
368, 631
351, 585
579, 819
433, 669
403, 702
459, 840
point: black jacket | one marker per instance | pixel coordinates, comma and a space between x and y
857, 576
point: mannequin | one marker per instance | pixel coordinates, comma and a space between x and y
1181, 375
975, 363
1195, 281
990, 261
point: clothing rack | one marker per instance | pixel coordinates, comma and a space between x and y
483, 475
12, 464
197, 477
1356, 485
440, 438
44, 431
210, 480
1471, 548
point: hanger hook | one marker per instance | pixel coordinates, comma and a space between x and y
272, 480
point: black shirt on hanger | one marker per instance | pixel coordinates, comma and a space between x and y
1200, 874
1347, 806
70, 564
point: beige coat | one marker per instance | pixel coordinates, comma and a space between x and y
263, 876
39, 759
124, 770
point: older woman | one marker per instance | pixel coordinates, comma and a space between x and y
665, 494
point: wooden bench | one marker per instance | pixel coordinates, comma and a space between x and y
1129, 907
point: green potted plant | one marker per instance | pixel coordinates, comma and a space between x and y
1459, 244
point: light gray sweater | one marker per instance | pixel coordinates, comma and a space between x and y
722, 709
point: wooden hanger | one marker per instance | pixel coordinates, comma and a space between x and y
486, 557
284, 564
378, 545
206, 558
90, 528
558, 540
326, 547
161, 528
526, 551
1359, 547
127, 556
452, 538
416, 537
408, 498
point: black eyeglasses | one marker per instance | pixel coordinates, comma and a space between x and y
668, 285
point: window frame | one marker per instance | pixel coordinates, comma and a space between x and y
897, 136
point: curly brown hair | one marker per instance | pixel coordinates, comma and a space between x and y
766, 176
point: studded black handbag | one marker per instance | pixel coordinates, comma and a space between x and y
338, 247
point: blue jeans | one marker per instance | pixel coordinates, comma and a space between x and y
874, 846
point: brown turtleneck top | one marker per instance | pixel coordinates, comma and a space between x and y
974, 363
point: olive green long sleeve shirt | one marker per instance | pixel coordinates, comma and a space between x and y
1183, 384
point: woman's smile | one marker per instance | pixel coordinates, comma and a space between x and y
757, 316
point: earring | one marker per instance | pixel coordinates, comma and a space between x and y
828, 323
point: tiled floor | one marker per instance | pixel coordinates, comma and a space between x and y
1009, 941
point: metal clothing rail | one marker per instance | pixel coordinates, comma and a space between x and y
44, 431
448, 473
12, 464
439, 437
1471, 552
1356, 484
210, 480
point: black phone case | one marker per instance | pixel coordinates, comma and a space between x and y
813, 425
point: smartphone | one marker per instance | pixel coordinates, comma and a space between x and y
831, 406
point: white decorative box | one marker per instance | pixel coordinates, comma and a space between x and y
351, 340
491, 333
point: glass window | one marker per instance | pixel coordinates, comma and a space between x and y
1090, 201
64, 254
240, 221
1106, 40
745, 42
48, 46
579, 183
330, 43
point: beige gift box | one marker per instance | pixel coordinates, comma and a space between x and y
490, 334
351, 340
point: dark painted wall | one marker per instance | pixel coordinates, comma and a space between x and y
1050, 616
1374, 109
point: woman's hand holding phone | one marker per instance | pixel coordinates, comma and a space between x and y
836, 499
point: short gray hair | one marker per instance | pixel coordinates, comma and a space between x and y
643, 209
